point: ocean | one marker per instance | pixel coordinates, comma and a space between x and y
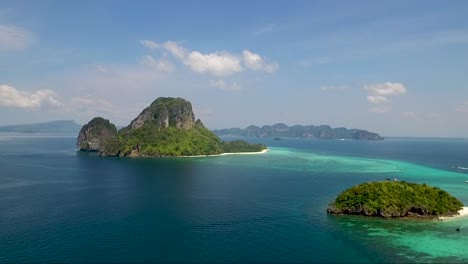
60, 205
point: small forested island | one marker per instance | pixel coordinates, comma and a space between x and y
298, 131
393, 199
165, 128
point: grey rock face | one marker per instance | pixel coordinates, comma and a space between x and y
93, 135
166, 112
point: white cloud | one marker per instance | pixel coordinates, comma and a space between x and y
175, 49
377, 99
11, 97
334, 87
219, 63
160, 65
222, 85
149, 44
255, 62
379, 93
171, 46
385, 89
15, 38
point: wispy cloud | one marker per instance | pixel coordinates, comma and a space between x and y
377, 99
15, 38
222, 85
257, 63
379, 93
149, 44
159, 65
386, 89
12, 97
219, 63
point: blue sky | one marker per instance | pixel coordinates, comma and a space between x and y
398, 68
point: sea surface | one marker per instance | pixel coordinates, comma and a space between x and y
60, 205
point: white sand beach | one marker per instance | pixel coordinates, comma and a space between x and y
225, 154
242, 153
462, 213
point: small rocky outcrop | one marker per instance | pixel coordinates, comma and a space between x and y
95, 134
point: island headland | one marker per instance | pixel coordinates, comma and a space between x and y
165, 128
394, 199
281, 130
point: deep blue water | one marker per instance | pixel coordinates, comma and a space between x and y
60, 205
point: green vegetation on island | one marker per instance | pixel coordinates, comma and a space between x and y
149, 140
168, 128
393, 199
241, 146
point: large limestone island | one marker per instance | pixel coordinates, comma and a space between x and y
165, 128
393, 199
298, 131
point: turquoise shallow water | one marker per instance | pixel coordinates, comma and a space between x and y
61, 205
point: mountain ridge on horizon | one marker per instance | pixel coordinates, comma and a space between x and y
300, 131
55, 126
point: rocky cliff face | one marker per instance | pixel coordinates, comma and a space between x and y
363, 134
165, 112
95, 134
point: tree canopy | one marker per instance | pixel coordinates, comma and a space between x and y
395, 199
151, 140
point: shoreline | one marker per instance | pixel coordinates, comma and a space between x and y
227, 153
461, 213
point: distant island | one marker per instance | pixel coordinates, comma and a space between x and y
58, 126
298, 131
165, 128
394, 199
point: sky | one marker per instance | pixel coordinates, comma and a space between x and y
398, 68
